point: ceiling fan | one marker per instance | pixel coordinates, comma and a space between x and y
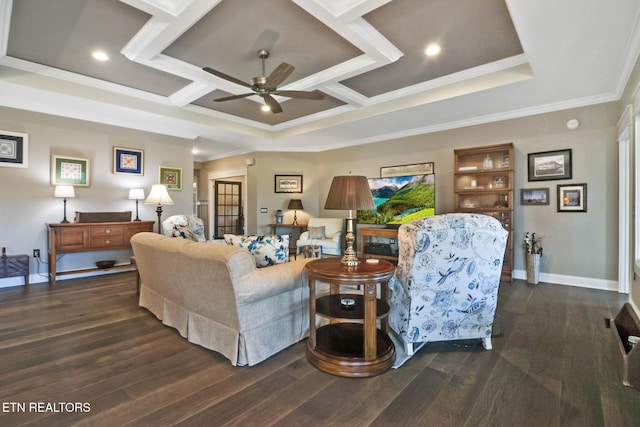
267, 86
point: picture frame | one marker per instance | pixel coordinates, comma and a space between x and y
402, 170
14, 149
287, 184
170, 177
572, 198
534, 196
549, 165
128, 161
67, 170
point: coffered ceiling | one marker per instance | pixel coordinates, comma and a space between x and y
499, 59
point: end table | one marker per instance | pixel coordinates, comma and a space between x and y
351, 345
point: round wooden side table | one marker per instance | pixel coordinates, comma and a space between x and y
351, 345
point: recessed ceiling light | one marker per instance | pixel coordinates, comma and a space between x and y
100, 55
432, 49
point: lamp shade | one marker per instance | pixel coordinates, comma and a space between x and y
158, 196
350, 192
136, 194
295, 204
64, 191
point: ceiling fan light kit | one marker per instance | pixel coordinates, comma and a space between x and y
265, 87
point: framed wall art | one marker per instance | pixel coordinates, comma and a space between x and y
401, 170
128, 161
69, 171
14, 149
572, 198
549, 165
171, 177
288, 183
534, 196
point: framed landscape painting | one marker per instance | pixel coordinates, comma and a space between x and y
128, 161
69, 171
14, 149
287, 184
171, 177
550, 165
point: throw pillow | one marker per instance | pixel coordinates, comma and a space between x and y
266, 250
183, 232
316, 232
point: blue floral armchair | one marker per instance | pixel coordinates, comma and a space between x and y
185, 226
446, 284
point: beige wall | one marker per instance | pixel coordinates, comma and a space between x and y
575, 244
26, 196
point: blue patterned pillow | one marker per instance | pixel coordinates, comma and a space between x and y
267, 250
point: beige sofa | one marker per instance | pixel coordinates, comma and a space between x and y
214, 295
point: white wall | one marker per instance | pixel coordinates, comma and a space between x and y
26, 195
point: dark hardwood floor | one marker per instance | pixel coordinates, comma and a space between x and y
86, 345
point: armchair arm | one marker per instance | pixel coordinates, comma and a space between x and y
304, 236
336, 236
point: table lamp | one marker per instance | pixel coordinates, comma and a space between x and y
350, 193
65, 192
136, 194
295, 204
159, 196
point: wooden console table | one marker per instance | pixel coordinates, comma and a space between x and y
90, 237
350, 345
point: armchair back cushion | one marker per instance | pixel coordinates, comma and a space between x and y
325, 232
446, 284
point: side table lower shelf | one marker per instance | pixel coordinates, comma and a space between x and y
339, 346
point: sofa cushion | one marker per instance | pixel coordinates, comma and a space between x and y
316, 232
183, 232
266, 250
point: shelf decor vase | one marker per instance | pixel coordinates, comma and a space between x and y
487, 163
533, 268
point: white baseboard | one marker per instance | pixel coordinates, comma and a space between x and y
42, 278
581, 282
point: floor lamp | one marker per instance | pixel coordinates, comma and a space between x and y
158, 196
350, 193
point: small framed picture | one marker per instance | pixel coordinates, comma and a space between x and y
572, 198
171, 177
549, 165
14, 149
128, 161
69, 171
288, 184
534, 196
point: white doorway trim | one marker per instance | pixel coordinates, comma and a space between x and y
625, 201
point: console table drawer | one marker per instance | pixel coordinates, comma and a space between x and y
73, 240
106, 242
106, 231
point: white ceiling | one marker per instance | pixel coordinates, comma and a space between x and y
500, 59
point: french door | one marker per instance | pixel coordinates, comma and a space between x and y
228, 212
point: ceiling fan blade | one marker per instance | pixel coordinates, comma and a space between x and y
279, 75
226, 77
316, 94
232, 97
272, 103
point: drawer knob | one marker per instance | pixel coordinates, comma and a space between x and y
107, 231
108, 242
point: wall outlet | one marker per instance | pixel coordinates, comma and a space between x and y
36, 253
